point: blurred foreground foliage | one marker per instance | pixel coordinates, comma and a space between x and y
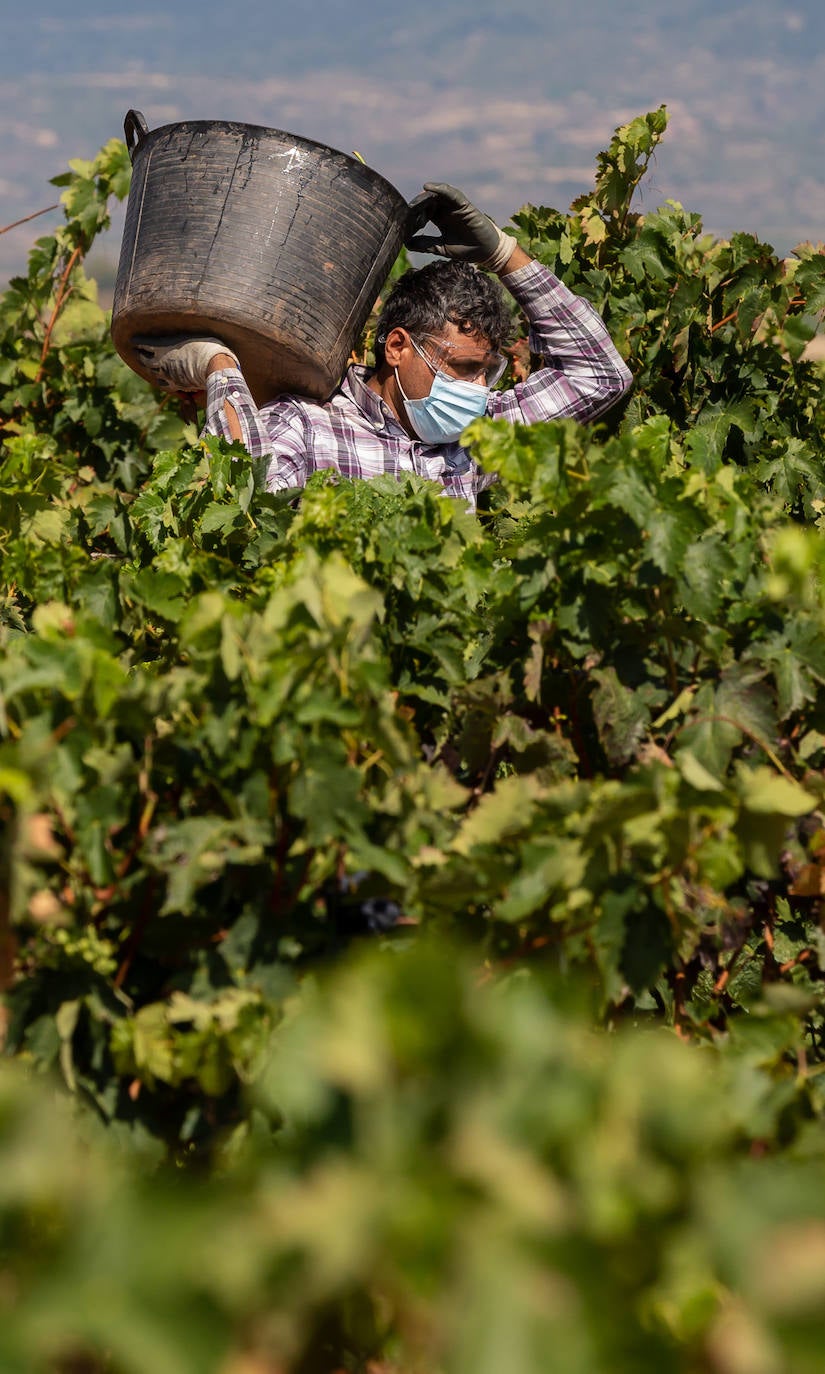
425, 910
440, 1175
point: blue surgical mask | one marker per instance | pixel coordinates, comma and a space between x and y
448, 409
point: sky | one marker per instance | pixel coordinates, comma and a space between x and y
509, 103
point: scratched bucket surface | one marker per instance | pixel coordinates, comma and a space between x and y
275, 244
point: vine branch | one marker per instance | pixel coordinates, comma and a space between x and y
26, 218
62, 292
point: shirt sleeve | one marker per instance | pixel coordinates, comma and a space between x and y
277, 435
582, 375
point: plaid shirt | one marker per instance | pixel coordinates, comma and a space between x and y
356, 433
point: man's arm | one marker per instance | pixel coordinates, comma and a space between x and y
194, 365
277, 434
225, 414
583, 374
518, 258
231, 412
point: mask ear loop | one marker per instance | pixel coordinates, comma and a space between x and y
405, 398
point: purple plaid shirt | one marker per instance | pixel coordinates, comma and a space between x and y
356, 433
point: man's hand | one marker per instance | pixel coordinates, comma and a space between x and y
466, 232
181, 363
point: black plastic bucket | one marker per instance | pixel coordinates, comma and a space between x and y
277, 245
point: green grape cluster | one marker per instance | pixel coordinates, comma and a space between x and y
83, 945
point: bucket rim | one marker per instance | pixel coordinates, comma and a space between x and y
264, 131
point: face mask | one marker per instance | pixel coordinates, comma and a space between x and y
450, 406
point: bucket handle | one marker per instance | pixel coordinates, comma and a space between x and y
136, 129
418, 213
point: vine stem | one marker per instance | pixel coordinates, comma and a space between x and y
26, 218
8, 952
743, 729
137, 933
62, 292
726, 320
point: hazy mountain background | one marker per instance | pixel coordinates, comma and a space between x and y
510, 102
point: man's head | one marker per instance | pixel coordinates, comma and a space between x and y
437, 349
427, 301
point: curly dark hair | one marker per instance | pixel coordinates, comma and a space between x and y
424, 300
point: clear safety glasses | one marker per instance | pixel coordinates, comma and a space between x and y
441, 356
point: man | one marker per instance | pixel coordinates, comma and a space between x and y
437, 352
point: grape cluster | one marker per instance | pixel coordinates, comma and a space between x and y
81, 946
358, 909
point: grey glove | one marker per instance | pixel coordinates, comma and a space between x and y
466, 233
179, 363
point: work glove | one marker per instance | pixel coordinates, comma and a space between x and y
179, 363
466, 233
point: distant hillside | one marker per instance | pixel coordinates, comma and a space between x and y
511, 107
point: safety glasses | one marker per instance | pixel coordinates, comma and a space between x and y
441, 356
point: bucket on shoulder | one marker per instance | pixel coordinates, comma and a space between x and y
274, 243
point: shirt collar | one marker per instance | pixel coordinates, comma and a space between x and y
379, 416
372, 407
